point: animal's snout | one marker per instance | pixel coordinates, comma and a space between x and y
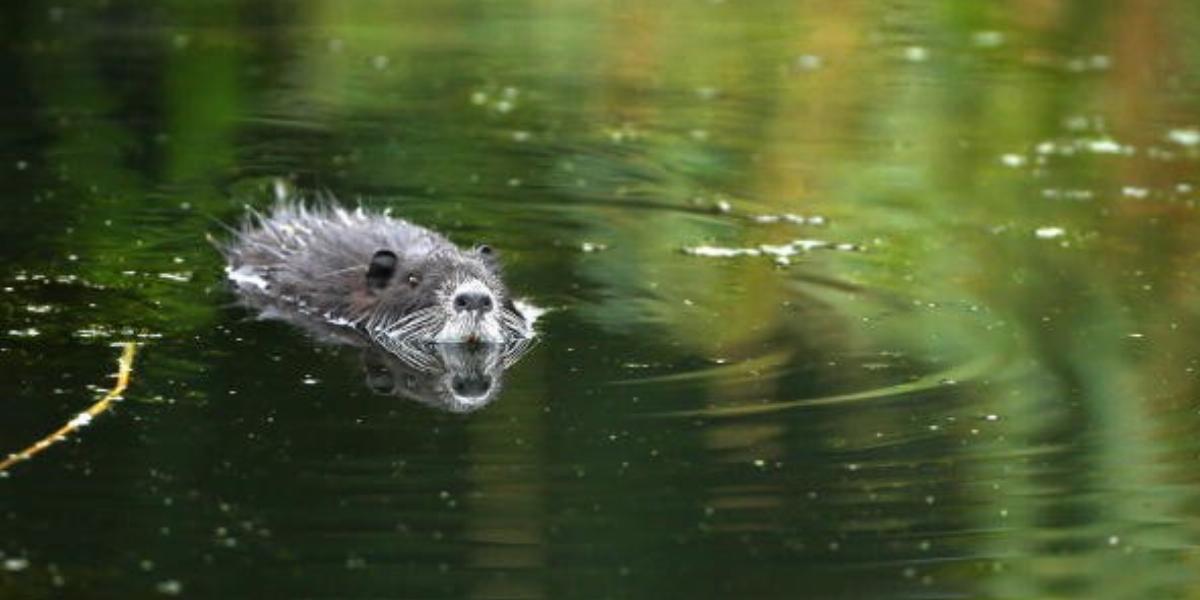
471, 386
473, 301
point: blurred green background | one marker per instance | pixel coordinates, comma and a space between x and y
847, 300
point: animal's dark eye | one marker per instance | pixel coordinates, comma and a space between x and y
485, 250
413, 280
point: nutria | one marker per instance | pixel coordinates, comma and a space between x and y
399, 284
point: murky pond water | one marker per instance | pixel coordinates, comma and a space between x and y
893, 300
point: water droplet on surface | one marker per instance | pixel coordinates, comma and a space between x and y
1049, 233
16, 564
987, 39
809, 62
170, 587
1013, 160
916, 54
1184, 137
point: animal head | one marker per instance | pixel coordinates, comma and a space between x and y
450, 296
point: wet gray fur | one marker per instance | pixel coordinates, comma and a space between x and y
314, 261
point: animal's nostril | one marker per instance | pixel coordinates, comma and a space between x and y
475, 301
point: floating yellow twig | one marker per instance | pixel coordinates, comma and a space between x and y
124, 368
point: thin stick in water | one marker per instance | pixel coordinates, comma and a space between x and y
124, 368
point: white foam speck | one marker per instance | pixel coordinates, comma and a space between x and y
1057, 194
1049, 233
778, 251
987, 39
809, 62
1077, 123
1184, 137
1105, 146
916, 54
16, 564
810, 244
1012, 160
792, 218
170, 587
718, 252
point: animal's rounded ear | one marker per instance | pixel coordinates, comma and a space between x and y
488, 254
380, 380
382, 269
379, 377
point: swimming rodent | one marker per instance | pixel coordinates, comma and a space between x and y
400, 284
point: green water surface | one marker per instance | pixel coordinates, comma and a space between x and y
846, 299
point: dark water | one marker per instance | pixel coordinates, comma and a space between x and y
975, 377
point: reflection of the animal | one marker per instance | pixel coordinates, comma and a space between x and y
457, 378
454, 377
